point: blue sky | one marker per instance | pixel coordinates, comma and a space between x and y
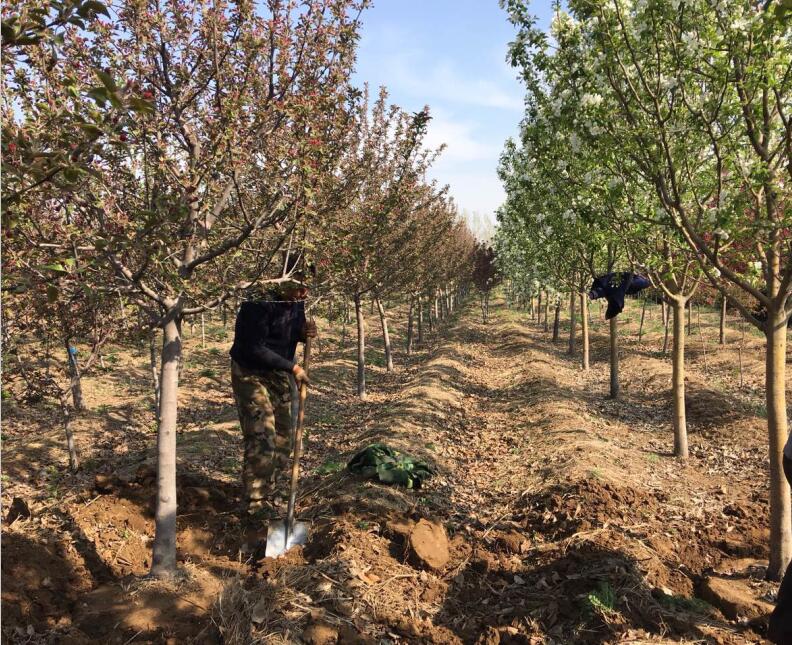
451, 55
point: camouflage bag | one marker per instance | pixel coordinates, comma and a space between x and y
381, 462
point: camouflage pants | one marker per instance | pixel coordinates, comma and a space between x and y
264, 406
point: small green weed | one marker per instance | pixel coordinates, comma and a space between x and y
362, 525
208, 373
601, 600
330, 467
430, 446
682, 603
653, 457
595, 473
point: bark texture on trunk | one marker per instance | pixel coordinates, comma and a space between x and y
361, 348
585, 324
420, 320
74, 459
678, 380
572, 324
539, 309
722, 336
557, 322
385, 336
547, 313
614, 358
155, 381
777, 427
163, 561
76, 378
666, 319
410, 329
643, 316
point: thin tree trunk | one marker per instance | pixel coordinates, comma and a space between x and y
203, 332
666, 318
547, 313
76, 379
74, 460
410, 329
155, 381
557, 321
614, 358
385, 336
678, 380
585, 324
361, 348
664, 310
643, 315
539, 309
775, 379
722, 337
429, 315
420, 321
163, 561
572, 323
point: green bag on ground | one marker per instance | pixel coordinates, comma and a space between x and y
379, 461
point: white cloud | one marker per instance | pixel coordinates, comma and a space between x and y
445, 82
460, 140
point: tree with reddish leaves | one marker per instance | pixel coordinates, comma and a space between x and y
486, 275
211, 131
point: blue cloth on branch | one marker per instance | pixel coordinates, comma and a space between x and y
267, 332
614, 287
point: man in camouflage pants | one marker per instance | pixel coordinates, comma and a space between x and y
265, 340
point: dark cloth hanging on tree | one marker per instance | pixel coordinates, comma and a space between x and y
614, 287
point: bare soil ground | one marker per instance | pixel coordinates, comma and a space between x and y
556, 515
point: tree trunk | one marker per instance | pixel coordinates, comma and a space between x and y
76, 379
666, 319
664, 310
722, 338
614, 358
385, 336
420, 321
539, 309
74, 460
775, 378
163, 561
429, 316
690, 318
547, 313
557, 321
410, 329
678, 380
203, 332
572, 323
155, 381
585, 323
643, 315
361, 348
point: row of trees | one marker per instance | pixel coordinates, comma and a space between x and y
162, 159
658, 138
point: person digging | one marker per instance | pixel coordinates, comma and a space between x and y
266, 334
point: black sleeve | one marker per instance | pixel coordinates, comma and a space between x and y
268, 359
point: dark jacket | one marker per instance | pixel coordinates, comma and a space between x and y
614, 286
267, 333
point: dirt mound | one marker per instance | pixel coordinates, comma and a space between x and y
585, 505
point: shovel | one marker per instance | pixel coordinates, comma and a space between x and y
282, 536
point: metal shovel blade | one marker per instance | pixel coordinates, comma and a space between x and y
278, 542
